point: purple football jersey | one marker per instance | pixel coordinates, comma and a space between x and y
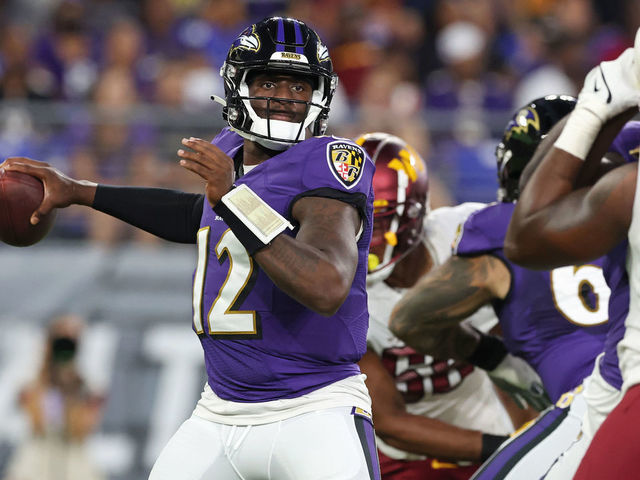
627, 142
615, 273
259, 343
547, 316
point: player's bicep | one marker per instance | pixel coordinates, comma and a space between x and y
331, 226
463, 284
589, 223
610, 203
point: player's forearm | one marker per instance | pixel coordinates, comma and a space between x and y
430, 437
169, 214
553, 180
457, 342
424, 318
83, 192
306, 274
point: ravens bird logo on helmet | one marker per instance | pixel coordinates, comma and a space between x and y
521, 137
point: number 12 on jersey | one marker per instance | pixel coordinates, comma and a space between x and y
223, 318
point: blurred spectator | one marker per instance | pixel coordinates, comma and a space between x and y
62, 413
160, 21
387, 96
464, 82
463, 92
17, 134
353, 55
124, 49
556, 53
17, 80
479, 12
214, 27
109, 146
66, 54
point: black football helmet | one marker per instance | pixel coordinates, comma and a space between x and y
521, 137
285, 45
401, 199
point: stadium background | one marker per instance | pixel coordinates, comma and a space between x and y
105, 90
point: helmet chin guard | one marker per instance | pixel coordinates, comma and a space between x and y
280, 45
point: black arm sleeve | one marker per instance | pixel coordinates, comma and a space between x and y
168, 214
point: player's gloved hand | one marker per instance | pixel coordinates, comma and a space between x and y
609, 89
521, 382
613, 87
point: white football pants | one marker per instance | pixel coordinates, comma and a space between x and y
331, 444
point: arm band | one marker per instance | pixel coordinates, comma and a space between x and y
491, 443
168, 214
489, 352
254, 223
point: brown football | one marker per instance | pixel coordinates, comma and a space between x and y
20, 196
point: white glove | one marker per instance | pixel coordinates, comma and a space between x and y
521, 382
612, 87
609, 89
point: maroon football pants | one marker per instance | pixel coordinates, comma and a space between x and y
615, 450
422, 469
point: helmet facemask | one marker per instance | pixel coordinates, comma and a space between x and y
270, 133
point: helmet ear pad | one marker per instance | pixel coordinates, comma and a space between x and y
521, 137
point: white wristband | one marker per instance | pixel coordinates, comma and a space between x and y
579, 132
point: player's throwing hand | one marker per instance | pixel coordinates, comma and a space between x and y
59, 190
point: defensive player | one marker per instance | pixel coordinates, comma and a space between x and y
558, 212
433, 417
555, 320
279, 290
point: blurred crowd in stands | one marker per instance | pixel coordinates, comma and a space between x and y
105, 89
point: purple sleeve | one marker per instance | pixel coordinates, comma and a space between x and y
627, 143
228, 141
484, 230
